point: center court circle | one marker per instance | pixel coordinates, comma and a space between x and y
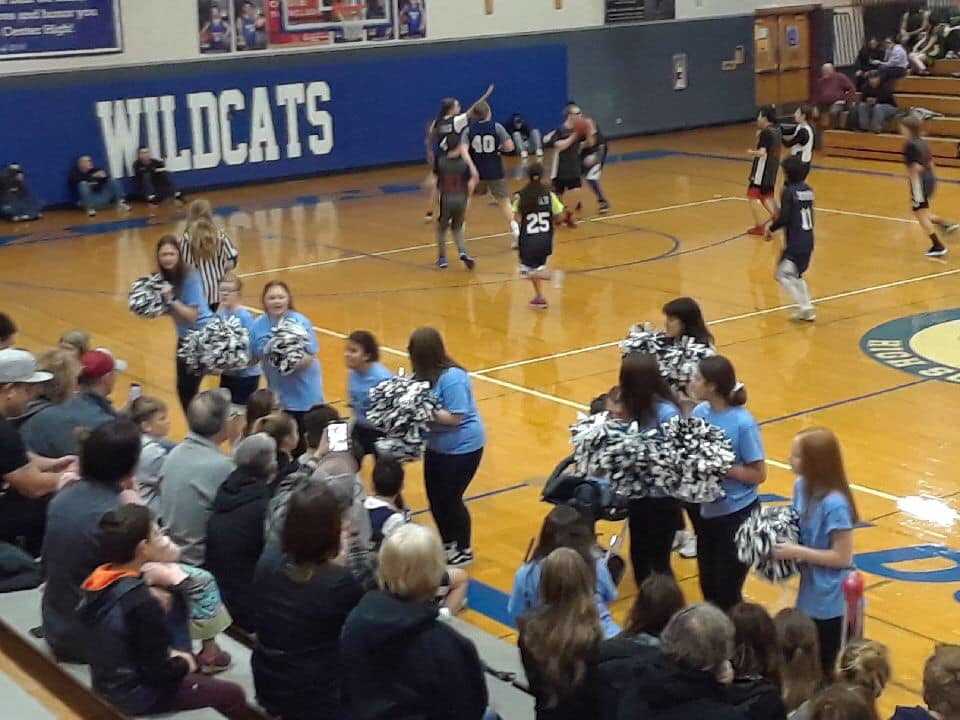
926, 345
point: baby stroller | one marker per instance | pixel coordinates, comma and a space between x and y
595, 500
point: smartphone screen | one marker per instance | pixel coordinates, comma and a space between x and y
135, 392
337, 437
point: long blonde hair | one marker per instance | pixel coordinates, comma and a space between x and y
822, 464
199, 208
865, 664
204, 238
561, 636
799, 643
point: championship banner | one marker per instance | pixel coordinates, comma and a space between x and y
41, 28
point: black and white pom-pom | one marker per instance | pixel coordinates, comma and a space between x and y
403, 409
225, 345
287, 346
606, 447
643, 340
699, 455
191, 352
679, 360
759, 534
144, 298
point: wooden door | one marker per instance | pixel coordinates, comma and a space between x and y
794, 80
766, 40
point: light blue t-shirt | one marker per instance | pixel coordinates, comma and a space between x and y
455, 392
359, 386
665, 411
302, 389
526, 594
744, 434
192, 294
246, 320
821, 588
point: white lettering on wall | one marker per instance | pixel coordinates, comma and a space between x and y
321, 143
151, 106
290, 97
120, 126
263, 138
232, 154
175, 159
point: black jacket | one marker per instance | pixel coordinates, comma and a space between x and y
757, 699
620, 657
235, 536
401, 663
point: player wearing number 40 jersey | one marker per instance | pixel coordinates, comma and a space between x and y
796, 219
487, 139
536, 207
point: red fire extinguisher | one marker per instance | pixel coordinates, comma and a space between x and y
853, 609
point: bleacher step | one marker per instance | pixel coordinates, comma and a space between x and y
937, 103
940, 147
930, 85
882, 156
943, 68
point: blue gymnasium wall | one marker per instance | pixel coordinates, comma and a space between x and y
380, 99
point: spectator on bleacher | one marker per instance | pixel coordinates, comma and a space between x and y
153, 182
399, 660
303, 599
865, 664
59, 389
869, 56
188, 308
564, 527
94, 188
29, 479
877, 104
194, 471
8, 331
261, 403
690, 676
132, 662
386, 508
16, 201
929, 50
283, 429
895, 60
108, 461
525, 138
560, 641
842, 702
755, 689
802, 673
150, 415
833, 94
207, 247
52, 431
235, 535
75, 341
941, 687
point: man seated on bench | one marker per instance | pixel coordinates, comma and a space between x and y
877, 104
833, 94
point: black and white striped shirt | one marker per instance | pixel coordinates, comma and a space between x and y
212, 271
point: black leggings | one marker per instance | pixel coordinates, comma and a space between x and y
830, 632
362, 441
241, 388
653, 523
721, 573
446, 478
188, 384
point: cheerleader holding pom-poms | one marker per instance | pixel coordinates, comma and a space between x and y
403, 408
827, 515
722, 574
285, 343
361, 355
241, 382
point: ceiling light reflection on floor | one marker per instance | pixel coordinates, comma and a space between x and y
929, 509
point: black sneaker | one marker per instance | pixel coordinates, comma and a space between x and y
460, 558
468, 261
604, 208
936, 251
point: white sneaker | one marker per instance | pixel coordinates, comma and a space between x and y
524, 155
514, 230
679, 538
805, 315
91, 212
557, 276
689, 548
123, 207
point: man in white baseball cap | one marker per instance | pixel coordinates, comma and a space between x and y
26, 480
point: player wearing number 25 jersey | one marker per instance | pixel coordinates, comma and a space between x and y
796, 219
536, 206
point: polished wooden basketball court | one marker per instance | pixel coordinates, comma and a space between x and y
357, 255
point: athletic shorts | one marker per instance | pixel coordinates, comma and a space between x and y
800, 260
561, 185
759, 192
921, 190
594, 171
497, 188
534, 252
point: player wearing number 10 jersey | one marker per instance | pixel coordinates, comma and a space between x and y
796, 218
536, 207
487, 139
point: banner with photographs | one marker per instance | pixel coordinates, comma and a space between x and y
244, 25
625, 11
39, 28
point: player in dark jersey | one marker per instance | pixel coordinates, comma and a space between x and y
796, 219
536, 206
449, 121
486, 139
800, 140
593, 154
216, 32
251, 28
567, 167
923, 183
763, 172
456, 181
411, 15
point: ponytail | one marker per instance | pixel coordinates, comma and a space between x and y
719, 372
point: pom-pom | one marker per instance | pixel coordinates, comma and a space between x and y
642, 339
678, 361
403, 409
287, 346
699, 456
220, 346
759, 534
615, 450
144, 298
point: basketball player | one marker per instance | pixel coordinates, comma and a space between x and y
763, 173
567, 167
456, 180
217, 30
536, 208
796, 219
449, 121
593, 154
411, 15
800, 141
251, 28
923, 183
486, 139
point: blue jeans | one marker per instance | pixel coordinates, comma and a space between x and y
874, 117
19, 205
533, 144
90, 199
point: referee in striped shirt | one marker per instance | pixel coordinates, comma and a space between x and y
208, 248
